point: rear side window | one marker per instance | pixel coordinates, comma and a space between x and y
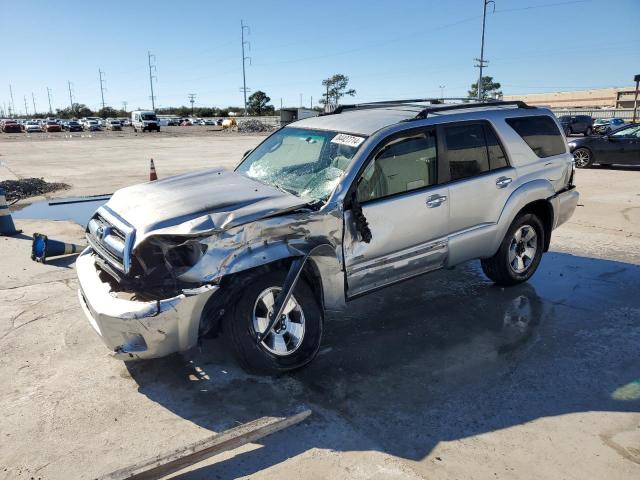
466, 151
497, 158
540, 133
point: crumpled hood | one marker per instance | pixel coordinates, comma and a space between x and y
197, 203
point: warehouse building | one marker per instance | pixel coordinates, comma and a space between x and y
616, 97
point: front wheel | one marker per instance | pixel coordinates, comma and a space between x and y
294, 340
519, 254
582, 157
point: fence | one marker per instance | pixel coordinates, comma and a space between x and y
624, 113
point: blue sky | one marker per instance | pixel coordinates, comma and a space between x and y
398, 49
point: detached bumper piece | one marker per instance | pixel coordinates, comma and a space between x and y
564, 204
134, 329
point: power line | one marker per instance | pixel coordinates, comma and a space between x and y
100, 73
152, 68
244, 59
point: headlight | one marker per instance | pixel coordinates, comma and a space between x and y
572, 144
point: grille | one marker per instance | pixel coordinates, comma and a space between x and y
111, 238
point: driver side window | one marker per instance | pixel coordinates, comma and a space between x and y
404, 164
631, 132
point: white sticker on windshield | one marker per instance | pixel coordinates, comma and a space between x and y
350, 140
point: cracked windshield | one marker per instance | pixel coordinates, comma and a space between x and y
306, 163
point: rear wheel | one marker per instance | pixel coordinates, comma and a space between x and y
519, 254
294, 340
582, 157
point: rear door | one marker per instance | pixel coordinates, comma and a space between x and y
480, 182
406, 210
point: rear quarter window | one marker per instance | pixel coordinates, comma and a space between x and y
540, 133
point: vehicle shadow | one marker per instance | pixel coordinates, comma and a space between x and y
438, 358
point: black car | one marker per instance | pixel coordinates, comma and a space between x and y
576, 124
73, 126
622, 146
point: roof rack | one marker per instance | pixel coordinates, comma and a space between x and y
435, 105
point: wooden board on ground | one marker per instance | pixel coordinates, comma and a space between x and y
183, 457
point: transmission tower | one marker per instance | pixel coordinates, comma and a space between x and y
192, 100
152, 76
244, 88
49, 97
100, 73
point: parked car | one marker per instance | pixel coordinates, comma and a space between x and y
92, 126
621, 146
207, 122
31, 126
125, 122
10, 126
219, 121
605, 125
113, 125
324, 210
186, 123
145, 121
51, 126
576, 124
73, 126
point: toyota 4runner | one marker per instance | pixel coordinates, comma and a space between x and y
323, 211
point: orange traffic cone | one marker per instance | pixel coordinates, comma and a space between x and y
152, 172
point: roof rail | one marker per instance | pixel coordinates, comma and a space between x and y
436, 105
461, 106
392, 103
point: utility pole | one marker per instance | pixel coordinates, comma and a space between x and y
49, 97
442, 92
33, 98
70, 95
192, 100
301, 101
311, 103
13, 103
152, 68
635, 98
481, 61
244, 59
26, 110
100, 73
124, 106
326, 105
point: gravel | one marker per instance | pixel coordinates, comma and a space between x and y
29, 187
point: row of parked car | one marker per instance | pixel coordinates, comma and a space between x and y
188, 122
586, 125
59, 125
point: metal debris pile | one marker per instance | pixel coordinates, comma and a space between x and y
254, 126
29, 187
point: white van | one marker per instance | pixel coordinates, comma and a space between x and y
145, 121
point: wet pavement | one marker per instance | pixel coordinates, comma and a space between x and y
73, 209
444, 357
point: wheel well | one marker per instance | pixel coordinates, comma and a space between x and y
544, 211
212, 318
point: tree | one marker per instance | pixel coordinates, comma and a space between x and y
490, 89
107, 112
258, 103
335, 89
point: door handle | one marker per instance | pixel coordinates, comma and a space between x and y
436, 200
503, 182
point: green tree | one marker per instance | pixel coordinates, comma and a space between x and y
490, 89
335, 89
107, 112
258, 103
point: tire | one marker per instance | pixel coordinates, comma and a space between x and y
268, 357
504, 268
583, 157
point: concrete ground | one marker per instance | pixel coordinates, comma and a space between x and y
445, 376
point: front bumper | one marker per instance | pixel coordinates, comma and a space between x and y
564, 204
134, 329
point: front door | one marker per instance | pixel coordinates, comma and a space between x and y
624, 146
406, 211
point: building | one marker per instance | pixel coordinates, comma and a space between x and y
616, 97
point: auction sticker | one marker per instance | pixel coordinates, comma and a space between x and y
350, 140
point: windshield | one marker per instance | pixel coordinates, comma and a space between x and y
307, 163
148, 116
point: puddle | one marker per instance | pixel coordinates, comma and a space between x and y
75, 212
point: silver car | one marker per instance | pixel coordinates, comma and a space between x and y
325, 210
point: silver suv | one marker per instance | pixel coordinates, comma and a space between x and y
323, 211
